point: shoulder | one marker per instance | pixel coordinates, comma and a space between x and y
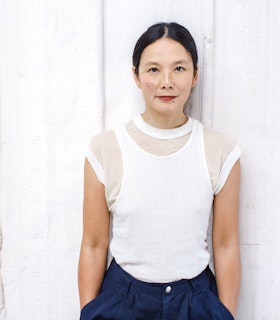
101, 149
103, 142
221, 151
218, 143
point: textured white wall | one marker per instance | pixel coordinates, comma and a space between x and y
51, 103
65, 75
246, 104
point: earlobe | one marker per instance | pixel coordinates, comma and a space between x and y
136, 77
194, 81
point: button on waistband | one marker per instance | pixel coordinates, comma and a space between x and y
168, 289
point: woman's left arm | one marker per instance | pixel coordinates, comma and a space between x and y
226, 240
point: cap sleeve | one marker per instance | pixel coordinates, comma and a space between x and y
226, 168
95, 164
221, 153
94, 156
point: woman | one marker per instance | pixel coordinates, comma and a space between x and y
158, 178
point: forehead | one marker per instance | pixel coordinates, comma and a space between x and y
164, 49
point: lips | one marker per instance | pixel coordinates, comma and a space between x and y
167, 98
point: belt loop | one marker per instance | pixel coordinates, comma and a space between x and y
128, 287
191, 284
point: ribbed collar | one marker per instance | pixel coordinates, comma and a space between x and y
163, 133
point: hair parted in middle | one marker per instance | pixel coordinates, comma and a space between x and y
170, 30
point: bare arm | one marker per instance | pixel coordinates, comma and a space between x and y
94, 247
226, 241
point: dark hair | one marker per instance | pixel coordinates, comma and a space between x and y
157, 31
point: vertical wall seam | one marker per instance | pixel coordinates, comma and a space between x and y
102, 31
266, 10
207, 85
97, 64
2, 297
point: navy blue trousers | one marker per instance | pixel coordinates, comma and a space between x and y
123, 297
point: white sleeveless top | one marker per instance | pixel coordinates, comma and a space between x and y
161, 216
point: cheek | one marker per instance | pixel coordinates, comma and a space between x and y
186, 86
150, 86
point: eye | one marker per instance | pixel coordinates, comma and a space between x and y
153, 70
180, 69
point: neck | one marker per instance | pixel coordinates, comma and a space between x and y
164, 121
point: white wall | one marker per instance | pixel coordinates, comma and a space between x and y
50, 106
246, 104
65, 75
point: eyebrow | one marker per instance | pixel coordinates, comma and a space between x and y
174, 63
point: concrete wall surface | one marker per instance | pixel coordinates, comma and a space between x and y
65, 75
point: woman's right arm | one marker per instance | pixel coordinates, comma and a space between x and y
95, 241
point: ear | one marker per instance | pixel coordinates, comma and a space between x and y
194, 81
136, 77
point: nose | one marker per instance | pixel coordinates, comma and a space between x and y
166, 80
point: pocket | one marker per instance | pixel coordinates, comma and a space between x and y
205, 305
107, 305
226, 313
90, 306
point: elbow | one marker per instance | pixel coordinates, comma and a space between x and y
226, 242
95, 244
226, 250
